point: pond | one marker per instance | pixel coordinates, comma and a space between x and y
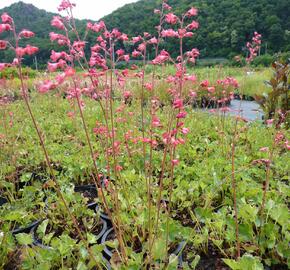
250, 110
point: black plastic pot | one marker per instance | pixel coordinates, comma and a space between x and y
106, 264
244, 97
91, 190
178, 252
38, 242
3, 201
26, 229
107, 252
102, 214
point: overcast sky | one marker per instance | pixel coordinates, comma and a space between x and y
85, 9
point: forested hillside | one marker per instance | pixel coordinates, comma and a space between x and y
225, 25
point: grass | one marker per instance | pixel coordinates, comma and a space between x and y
251, 84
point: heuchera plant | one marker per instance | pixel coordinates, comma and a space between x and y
103, 80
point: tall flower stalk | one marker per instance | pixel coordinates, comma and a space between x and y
17, 62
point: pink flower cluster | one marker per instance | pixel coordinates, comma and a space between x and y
28, 50
65, 4
8, 25
254, 47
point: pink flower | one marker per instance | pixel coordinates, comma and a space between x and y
119, 168
20, 51
26, 34
136, 39
124, 37
166, 6
279, 137
193, 25
136, 54
149, 86
127, 94
116, 33
269, 122
254, 47
191, 78
3, 44
192, 12
287, 145
175, 162
126, 58
264, 149
96, 27
178, 104
262, 161
5, 27
211, 89
69, 72
2, 66
153, 40
204, 83
142, 47
46, 86
161, 58
181, 114
193, 53
6, 18
57, 22
169, 33
120, 52
70, 114
146, 140
30, 50
53, 36
52, 67
60, 78
55, 55
184, 131
225, 109
188, 34
65, 4
79, 45
193, 94
15, 62
171, 18
61, 39
156, 121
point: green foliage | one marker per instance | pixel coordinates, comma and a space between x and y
225, 26
11, 73
247, 262
263, 60
278, 98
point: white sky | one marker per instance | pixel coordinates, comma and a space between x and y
85, 9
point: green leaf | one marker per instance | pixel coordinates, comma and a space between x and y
280, 213
81, 266
42, 227
195, 262
24, 238
158, 250
247, 262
